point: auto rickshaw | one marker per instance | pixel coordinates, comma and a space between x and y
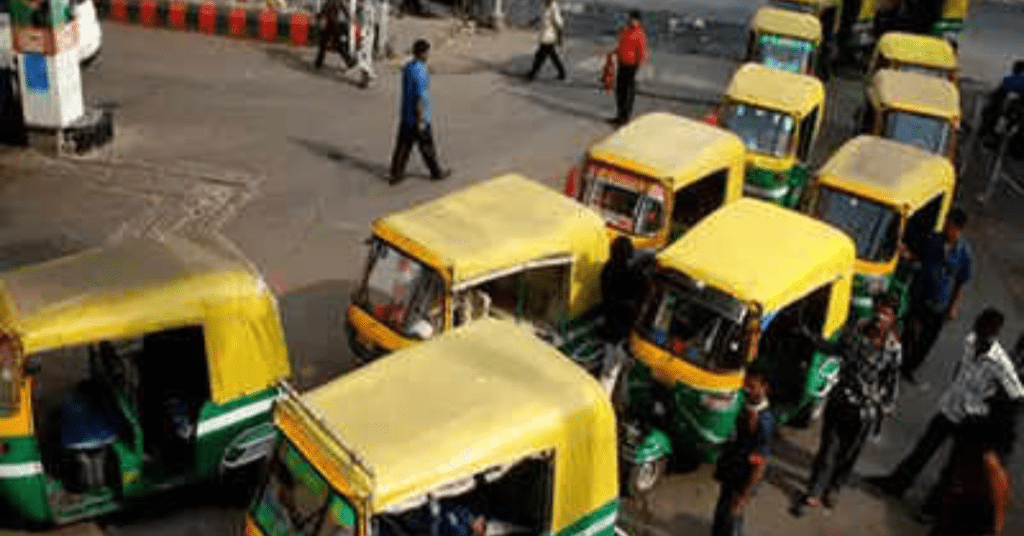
484, 419
913, 108
925, 54
777, 115
131, 368
722, 298
954, 12
827, 11
659, 175
785, 40
508, 248
881, 193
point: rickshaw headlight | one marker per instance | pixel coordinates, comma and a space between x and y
718, 402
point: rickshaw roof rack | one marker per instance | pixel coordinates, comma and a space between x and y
916, 93
758, 85
467, 400
496, 224
789, 23
665, 146
889, 171
789, 256
135, 281
928, 50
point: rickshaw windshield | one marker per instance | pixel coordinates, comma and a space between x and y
296, 500
785, 53
764, 131
874, 227
795, 6
402, 292
698, 323
928, 133
627, 202
930, 71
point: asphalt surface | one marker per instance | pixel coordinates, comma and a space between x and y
307, 153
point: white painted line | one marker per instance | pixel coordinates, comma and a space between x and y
20, 470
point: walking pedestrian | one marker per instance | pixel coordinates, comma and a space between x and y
977, 495
414, 125
744, 459
983, 370
631, 55
867, 390
334, 19
946, 263
552, 30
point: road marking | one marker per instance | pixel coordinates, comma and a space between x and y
20, 470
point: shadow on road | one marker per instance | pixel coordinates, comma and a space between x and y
314, 326
33, 251
339, 155
300, 60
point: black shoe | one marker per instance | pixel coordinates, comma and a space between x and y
886, 485
445, 173
395, 179
828, 500
909, 377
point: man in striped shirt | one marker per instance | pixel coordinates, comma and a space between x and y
983, 371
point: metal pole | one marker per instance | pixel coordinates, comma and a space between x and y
498, 17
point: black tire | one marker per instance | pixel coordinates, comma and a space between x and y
642, 478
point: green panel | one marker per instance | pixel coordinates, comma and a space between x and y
598, 518
25, 496
131, 463
211, 446
775, 191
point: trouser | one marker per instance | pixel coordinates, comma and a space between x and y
412, 7
545, 51
843, 433
408, 135
625, 91
331, 38
939, 429
920, 332
726, 522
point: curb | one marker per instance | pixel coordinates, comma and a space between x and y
266, 25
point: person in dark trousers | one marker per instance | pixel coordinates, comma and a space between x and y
631, 55
412, 7
551, 31
976, 497
867, 390
414, 126
983, 370
744, 459
1011, 84
946, 262
621, 289
333, 20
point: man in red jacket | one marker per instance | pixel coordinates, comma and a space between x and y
631, 54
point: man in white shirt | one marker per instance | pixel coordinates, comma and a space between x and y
984, 370
551, 30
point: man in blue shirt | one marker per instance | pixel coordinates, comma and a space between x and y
945, 265
1011, 84
414, 127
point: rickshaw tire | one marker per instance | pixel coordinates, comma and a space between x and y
239, 484
642, 478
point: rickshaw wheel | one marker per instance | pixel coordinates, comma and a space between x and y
642, 477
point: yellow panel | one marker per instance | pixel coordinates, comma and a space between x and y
469, 399
375, 331
889, 172
669, 369
246, 346
955, 9
916, 93
758, 85
915, 49
21, 423
763, 253
773, 20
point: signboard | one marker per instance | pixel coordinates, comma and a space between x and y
43, 26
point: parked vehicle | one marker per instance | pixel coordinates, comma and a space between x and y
722, 298
785, 40
485, 418
659, 175
777, 115
913, 108
879, 192
131, 368
916, 53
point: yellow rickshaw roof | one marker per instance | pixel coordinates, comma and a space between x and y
498, 224
675, 149
467, 400
142, 285
784, 91
758, 251
916, 49
916, 93
789, 23
888, 171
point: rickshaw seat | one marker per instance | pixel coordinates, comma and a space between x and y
85, 423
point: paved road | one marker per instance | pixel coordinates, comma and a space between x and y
308, 153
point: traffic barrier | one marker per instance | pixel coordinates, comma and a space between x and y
262, 24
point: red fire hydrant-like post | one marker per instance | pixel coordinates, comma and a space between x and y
50, 79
